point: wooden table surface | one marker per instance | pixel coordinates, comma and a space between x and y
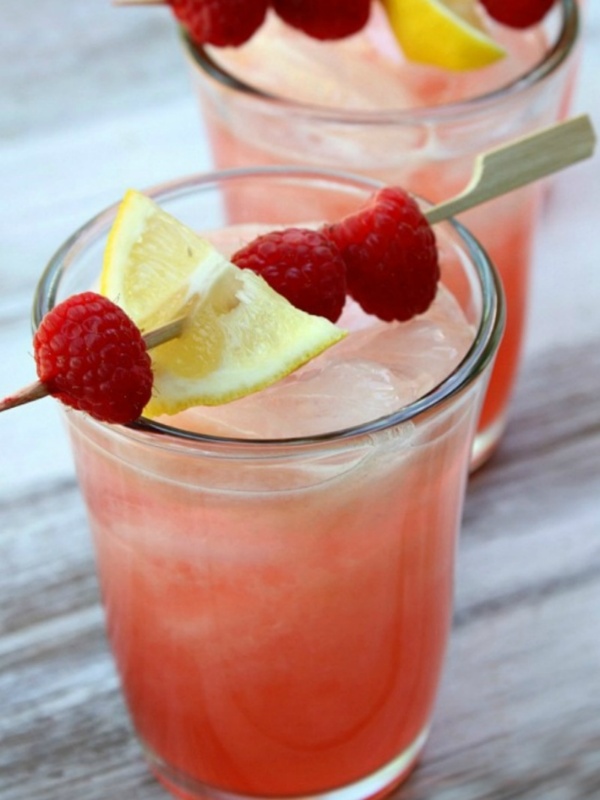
94, 100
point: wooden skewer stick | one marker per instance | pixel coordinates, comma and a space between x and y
520, 162
139, 2
37, 390
166, 332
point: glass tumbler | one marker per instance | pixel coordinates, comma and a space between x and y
271, 108
278, 610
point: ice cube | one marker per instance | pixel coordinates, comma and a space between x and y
375, 371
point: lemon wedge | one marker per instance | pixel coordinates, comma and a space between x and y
443, 33
239, 334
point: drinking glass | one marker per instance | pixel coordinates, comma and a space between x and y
278, 610
427, 148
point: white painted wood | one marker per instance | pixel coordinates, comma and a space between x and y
95, 100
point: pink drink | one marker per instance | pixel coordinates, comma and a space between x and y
279, 610
357, 105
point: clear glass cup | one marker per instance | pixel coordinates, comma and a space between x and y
429, 149
278, 610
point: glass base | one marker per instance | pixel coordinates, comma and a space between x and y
485, 444
374, 786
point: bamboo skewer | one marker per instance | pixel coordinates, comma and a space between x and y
496, 172
166, 332
520, 162
35, 391
139, 2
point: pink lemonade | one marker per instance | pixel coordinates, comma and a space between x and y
358, 105
277, 572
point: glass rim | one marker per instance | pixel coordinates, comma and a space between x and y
551, 61
483, 348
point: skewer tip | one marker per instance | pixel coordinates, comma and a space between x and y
139, 2
34, 391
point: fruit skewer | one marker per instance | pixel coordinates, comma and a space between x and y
496, 172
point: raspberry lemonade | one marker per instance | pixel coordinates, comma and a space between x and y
358, 103
277, 571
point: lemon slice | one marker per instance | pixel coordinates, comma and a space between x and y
239, 336
443, 33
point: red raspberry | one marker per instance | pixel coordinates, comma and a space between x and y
324, 19
391, 256
220, 22
91, 356
302, 265
518, 13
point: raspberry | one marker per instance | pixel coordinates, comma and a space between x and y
91, 356
518, 13
332, 19
391, 256
220, 22
302, 265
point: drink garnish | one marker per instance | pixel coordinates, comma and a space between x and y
90, 356
223, 23
520, 162
390, 254
518, 13
214, 332
334, 19
388, 248
231, 23
449, 34
218, 332
303, 265
240, 334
